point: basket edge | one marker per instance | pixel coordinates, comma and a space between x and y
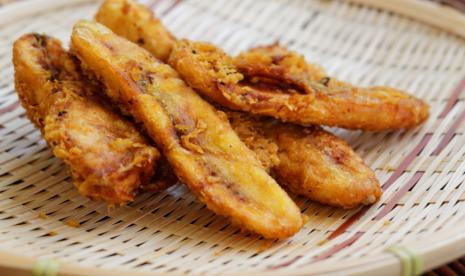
433, 14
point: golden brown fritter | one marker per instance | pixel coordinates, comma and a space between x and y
107, 156
202, 148
281, 84
136, 23
309, 161
347, 184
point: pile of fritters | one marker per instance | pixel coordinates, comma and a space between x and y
230, 128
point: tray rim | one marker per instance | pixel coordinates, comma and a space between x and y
434, 14
382, 264
445, 242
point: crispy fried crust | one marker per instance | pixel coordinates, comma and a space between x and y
202, 148
251, 132
308, 166
275, 82
136, 23
310, 161
163, 178
108, 158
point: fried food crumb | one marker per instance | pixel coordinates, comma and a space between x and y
42, 215
52, 233
267, 244
305, 219
73, 223
111, 207
188, 140
387, 223
322, 242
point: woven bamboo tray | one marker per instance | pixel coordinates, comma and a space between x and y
418, 225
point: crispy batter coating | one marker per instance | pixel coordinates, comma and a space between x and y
107, 156
202, 148
251, 132
136, 23
308, 166
275, 82
163, 178
309, 161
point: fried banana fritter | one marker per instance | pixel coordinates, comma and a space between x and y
107, 156
275, 82
201, 146
136, 23
309, 161
311, 170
